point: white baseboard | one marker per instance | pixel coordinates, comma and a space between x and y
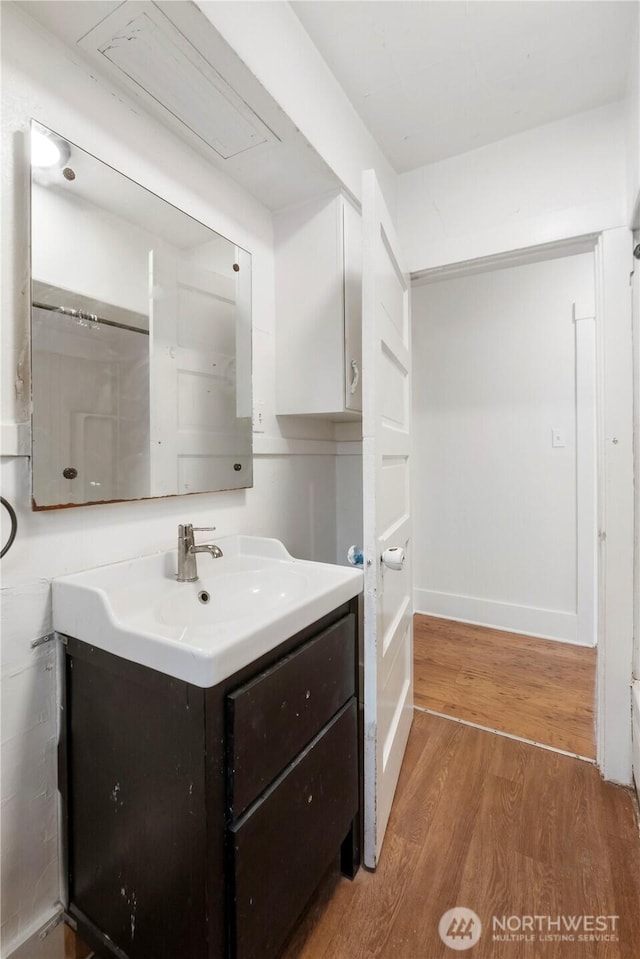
528, 620
635, 735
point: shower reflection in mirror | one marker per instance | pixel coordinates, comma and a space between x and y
141, 339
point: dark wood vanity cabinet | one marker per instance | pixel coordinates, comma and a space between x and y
198, 822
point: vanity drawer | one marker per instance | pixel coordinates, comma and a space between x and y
272, 717
281, 847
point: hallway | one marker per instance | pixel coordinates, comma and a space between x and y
498, 826
535, 689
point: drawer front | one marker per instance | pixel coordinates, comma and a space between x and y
273, 717
281, 848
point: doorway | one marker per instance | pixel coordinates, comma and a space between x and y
505, 505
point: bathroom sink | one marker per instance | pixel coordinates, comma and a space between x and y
232, 596
244, 604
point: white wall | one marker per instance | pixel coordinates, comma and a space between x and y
561, 180
494, 359
633, 132
292, 497
348, 501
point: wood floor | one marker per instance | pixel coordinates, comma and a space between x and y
534, 688
498, 826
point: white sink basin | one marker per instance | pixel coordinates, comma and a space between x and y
245, 603
234, 596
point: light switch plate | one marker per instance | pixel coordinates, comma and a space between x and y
558, 438
258, 418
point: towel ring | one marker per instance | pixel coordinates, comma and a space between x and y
14, 526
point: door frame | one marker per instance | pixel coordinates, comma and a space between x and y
611, 549
614, 263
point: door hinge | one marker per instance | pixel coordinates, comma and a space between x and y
41, 640
55, 922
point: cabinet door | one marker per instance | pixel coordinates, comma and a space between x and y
319, 309
352, 253
280, 849
309, 309
272, 717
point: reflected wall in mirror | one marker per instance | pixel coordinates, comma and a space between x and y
140, 339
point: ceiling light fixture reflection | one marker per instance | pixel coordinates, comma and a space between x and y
48, 150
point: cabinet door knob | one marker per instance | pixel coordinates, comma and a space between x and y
356, 376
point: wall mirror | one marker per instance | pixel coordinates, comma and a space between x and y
140, 339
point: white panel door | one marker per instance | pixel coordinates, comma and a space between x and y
197, 412
388, 625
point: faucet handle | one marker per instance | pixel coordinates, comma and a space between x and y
203, 529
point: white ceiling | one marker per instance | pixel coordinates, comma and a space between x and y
435, 79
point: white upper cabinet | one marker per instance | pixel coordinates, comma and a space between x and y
318, 254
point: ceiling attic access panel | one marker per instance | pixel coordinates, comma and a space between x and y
266, 153
143, 50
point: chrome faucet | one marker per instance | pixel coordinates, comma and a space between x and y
187, 549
